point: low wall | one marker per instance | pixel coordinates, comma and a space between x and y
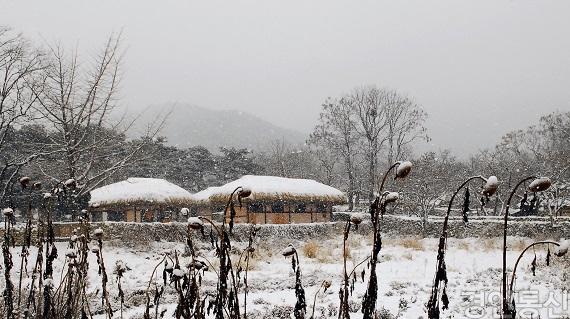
131, 232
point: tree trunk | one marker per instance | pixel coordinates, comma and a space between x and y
372, 172
350, 174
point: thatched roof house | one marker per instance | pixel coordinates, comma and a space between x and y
139, 199
279, 200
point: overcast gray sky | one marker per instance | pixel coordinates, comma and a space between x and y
479, 68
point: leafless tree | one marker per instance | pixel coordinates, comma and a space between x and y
336, 131
387, 120
434, 176
20, 65
404, 124
369, 104
76, 103
554, 130
281, 158
326, 164
278, 157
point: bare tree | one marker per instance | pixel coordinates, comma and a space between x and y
281, 158
76, 103
336, 132
369, 103
404, 124
554, 131
387, 119
276, 162
434, 175
20, 65
326, 163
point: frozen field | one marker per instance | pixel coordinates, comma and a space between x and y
405, 275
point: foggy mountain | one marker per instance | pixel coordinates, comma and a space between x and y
189, 125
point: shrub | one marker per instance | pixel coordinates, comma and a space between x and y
311, 249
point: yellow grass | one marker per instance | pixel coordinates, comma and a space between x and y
463, 245
490, 244
311, 249
413, 243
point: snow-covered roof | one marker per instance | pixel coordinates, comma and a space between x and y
272, 187
204, 195
137, 190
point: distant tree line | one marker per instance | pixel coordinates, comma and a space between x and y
59, 120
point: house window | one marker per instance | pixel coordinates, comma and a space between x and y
277, 207
321, 208
301, 208
115, 216
96, 216
255, 208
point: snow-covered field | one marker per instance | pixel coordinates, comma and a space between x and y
405, 275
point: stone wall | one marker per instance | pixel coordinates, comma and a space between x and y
132, 233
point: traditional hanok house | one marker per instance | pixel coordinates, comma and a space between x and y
279, 200
139, 200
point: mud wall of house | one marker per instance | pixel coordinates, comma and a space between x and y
147, 213
289, 214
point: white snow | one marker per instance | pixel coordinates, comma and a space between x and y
492, 181
195, 222
392, 197
357, 218
405, 274
563, 248
70, 253
178, 272
70, 182
288, 251
139, 189
403, 168
204, 195
278, 186
539, 184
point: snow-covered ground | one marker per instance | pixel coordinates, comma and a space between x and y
405, 273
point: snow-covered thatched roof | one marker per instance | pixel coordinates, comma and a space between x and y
140, 190
271, 188
204, 195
